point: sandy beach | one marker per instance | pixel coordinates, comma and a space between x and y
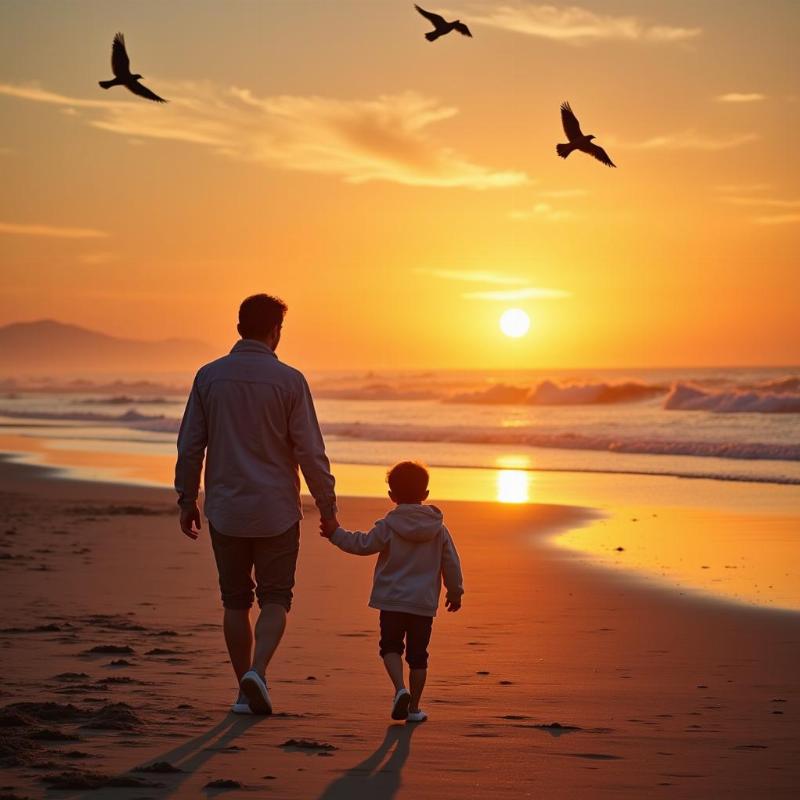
556, 679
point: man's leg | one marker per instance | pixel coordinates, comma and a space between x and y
234, 557
239, 639
275, 560
269, 631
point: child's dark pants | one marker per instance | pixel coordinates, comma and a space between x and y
415, 629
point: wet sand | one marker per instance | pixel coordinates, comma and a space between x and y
556, 679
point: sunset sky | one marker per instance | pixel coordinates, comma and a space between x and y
401, 195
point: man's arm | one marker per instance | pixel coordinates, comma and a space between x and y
192, 441
451, 573
309, 451
361, 544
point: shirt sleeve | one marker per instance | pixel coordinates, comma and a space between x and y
309, 451
361, 544
451, 569
192, 441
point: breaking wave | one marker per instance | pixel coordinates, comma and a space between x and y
780, 398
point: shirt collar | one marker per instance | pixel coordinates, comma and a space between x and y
252, 346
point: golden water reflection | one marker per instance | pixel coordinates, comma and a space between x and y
513, 486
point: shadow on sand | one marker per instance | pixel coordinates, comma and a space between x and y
189, 757
371, 780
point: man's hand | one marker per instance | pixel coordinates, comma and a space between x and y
452, 605
189, 516
327, 526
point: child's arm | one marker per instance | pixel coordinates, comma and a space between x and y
451, 573
362, 544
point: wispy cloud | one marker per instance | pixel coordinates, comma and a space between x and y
542, 211
474, 276
743, 188
522, 289
690, 140
564, 193
383, 139
95, 259
763, 202
572, 24
524, 293
51, 231
741, 97
777, 219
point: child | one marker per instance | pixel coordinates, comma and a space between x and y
416, 553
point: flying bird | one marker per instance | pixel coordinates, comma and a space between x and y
442, 26
577, 139
121, 67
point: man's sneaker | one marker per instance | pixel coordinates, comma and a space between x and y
241, 706
402, 700
255, 690
416, 716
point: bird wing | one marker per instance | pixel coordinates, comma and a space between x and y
462, 29
431, 17
120, 63
143, 91
597, 152
570, 122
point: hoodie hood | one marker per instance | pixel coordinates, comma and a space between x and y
414, 522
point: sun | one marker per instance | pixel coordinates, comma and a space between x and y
515, 323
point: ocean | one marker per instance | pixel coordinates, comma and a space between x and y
721, 424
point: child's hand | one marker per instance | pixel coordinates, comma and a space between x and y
327, 527
452, 605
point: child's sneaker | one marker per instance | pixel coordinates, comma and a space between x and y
402, 700
416, 716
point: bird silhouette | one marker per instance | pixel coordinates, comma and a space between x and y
578, 140
121, 67
442, 26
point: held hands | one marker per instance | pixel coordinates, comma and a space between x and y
327, 527
189, 516
452, 605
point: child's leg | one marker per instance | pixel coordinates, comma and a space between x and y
392, 631
416, 680
419, 636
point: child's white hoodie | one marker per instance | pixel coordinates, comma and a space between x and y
416, 554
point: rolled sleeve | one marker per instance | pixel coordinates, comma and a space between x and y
309, 451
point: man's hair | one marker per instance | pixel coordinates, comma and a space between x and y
259, 315
408, 481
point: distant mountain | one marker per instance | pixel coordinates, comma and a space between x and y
49, 346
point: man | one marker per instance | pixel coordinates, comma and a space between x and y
253, 418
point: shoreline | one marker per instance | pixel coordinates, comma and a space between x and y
569, 681
662, 508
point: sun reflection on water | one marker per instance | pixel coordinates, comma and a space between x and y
513, 486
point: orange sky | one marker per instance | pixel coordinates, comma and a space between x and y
387, 187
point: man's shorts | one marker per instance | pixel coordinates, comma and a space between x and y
272, 558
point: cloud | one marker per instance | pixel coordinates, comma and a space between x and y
740, 97
524, 293
690, 140
743, 188
475, 276
95, 259
777, 219
383, 139
572, 24
50, 231
39, 95
765, 202
542, 211
564, 193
